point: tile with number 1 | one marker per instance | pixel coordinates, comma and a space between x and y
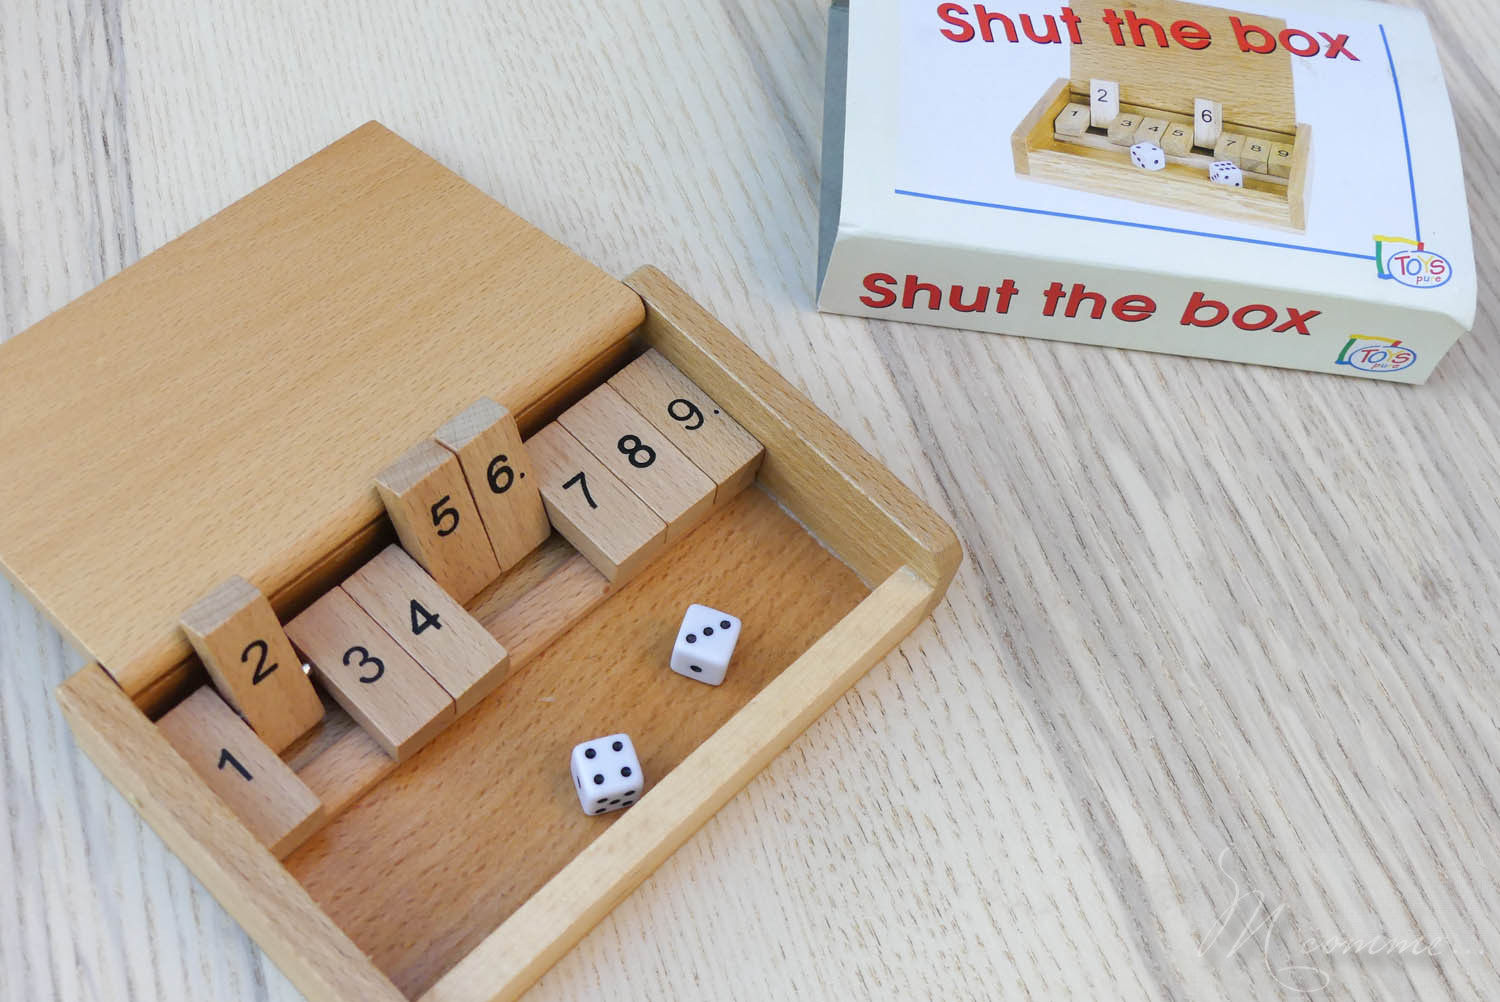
259, 787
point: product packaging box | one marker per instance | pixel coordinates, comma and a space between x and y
1272, 183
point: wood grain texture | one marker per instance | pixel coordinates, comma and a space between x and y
371, 675
279, 333
427, 498
599, 515
1196, 615
675, 490
692, 421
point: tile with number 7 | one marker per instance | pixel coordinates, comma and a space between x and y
592, 509
439, 634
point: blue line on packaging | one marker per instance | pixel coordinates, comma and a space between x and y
1411, 174
1126, 222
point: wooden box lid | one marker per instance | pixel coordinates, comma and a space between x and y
221, 406
1254, 88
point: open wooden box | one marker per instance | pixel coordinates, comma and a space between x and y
221, 408
1162, 83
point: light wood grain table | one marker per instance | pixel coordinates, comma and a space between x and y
1224, 643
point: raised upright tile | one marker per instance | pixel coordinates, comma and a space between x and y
435, 517
501, 478
240, 641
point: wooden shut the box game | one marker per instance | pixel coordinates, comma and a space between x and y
369, 502
1194, 103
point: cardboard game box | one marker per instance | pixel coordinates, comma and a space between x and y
1273, 183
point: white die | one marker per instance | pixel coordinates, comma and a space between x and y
1226, 172
1148, 156
705, 643
606, 774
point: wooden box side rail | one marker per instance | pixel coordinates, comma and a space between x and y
855, 506
216, 846
511, 958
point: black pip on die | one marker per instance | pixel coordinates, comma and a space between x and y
705, 643
606, 774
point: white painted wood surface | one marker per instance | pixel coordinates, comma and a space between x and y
1210, 612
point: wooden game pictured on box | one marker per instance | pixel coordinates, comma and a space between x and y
1209, 130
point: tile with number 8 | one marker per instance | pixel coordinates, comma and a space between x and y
691, 420
633, 450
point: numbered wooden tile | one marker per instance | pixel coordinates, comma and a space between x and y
500, 476
435, 517
1152, 130
692, 421
652, 467
370, 675
1207, 124
1279, 163
1177, 141
1231, 147
436, 631
1122, 130
1104, 103
1257, 155
240, 641
593, 510
259, 787
1072, 121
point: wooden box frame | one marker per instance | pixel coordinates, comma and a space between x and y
851, 504
1255, 90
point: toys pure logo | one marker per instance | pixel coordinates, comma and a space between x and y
1410, 263
1376, 354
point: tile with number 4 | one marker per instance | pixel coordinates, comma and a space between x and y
370, 675
440, 635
